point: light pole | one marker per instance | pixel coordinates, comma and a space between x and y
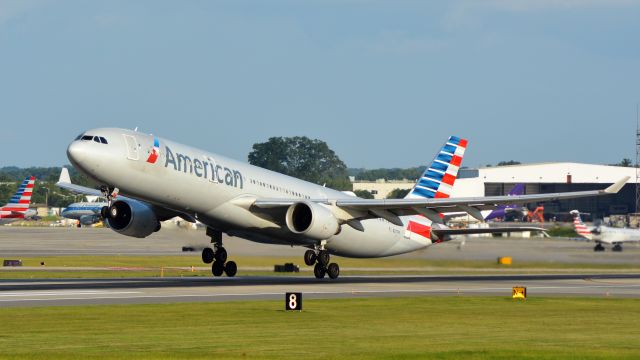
46, 199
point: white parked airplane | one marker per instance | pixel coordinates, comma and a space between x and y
604, 234
161, 179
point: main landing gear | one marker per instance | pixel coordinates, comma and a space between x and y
617, 247
598, 247
218, 256
321, 258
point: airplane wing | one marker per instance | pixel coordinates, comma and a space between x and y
391, 209
64, 182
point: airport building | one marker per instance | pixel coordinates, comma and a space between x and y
540, 178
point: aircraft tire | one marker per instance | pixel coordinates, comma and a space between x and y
310, 257
221, 255
324, 258
231, 269
617, 248
217, 269
104, 212
319, 271
333, 270
207, 255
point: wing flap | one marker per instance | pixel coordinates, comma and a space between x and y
490, 230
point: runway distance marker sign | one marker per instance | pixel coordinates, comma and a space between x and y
293, 301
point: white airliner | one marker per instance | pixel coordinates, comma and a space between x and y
148, 179
604, 234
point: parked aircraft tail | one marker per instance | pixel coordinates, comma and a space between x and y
20, 201
580, 227
501, 211
437, 181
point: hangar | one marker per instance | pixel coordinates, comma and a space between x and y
554, 177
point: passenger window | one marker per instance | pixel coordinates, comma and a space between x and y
103, 140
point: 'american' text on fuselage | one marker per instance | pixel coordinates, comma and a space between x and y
203, 168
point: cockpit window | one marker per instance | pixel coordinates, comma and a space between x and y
98, 139
79, 137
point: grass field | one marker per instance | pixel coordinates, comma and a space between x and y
155, 266
396, 328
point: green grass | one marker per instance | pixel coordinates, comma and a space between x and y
563, 231
396, 328
150, 266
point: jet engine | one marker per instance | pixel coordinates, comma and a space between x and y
312, 220
132, 218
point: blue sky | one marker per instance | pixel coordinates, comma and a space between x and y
382, 82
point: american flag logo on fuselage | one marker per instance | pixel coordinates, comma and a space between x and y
155, 152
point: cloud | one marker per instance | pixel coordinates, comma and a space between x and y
545, 5
10, 9
471, 14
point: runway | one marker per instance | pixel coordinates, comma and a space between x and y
15, 293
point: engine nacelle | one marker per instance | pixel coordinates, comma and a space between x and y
132, 218
312, 220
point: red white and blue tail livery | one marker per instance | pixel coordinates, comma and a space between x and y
437, 181
580, 227
19, 203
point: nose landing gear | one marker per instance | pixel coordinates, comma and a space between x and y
323, 265
218, 256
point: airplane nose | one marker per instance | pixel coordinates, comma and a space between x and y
76, 152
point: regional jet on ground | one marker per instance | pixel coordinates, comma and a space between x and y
604, 234
161, 179
18, 206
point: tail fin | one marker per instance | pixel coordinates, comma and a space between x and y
580, 227
501, 211
437, 181
22, 198
518, 189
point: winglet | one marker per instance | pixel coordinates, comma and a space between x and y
64, 176
613, 189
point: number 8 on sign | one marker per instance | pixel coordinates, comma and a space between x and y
293, 301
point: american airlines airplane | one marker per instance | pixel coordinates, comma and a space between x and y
148, 179
604, 234
18, 206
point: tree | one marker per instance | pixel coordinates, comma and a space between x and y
626, 163
388, 174
398, 193
365, 194
510, 162
304, 158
